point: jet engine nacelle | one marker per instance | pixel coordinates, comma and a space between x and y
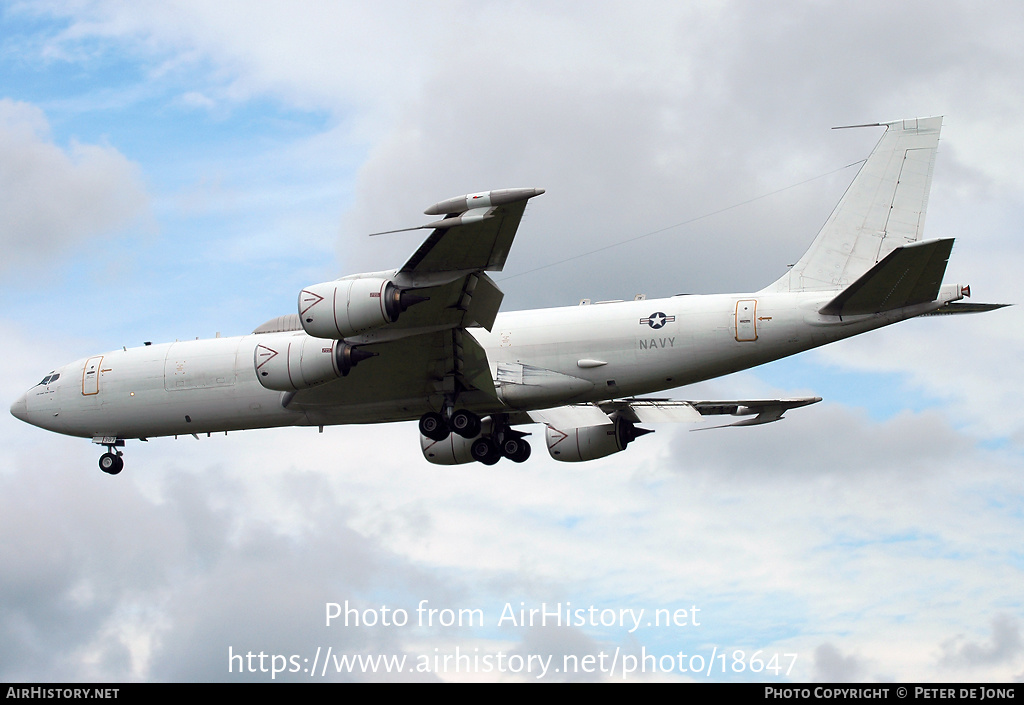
453, 450
576, 445
348, 307
301, 362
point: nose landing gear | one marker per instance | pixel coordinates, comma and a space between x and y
111, 462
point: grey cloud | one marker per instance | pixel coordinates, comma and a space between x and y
825, 442
733, 106
162, 588
559, 645
1004, 646
831, 666
634, 118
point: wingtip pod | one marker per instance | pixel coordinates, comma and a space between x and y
484, 199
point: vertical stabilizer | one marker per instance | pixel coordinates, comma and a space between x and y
883, 209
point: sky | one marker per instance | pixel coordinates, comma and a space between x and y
180, 169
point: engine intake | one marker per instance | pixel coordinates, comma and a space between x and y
453, 450
301, 362
576, 445
348, 307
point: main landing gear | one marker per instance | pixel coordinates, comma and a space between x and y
463, 423
490, 439
489, 450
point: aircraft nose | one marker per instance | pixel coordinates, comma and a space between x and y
20, 408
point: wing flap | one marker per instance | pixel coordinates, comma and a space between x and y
640, 410
661, 411
573, 416
471, 366
481, 301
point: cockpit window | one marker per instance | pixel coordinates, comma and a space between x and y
49, 378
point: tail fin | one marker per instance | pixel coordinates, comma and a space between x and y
883, 209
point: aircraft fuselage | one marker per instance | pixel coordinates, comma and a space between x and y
599, 351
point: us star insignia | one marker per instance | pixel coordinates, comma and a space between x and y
657, 320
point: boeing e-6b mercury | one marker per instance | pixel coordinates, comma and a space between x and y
425, 341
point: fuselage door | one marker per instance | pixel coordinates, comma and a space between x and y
91, 376
746, 320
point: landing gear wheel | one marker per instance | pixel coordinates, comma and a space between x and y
432, 426
111, 463
465, 423
516, 449
484, 451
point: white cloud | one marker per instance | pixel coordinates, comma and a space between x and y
960, 362
51, 198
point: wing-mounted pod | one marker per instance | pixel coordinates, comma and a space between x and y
575, 445
453, 450
348, 307
301, 362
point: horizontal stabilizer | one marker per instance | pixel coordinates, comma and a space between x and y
909, 275
954, 307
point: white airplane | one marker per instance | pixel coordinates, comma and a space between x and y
425, 341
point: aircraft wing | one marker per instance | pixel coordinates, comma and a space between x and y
426, 352
647, 410
447, 272
762, 410
475, 234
